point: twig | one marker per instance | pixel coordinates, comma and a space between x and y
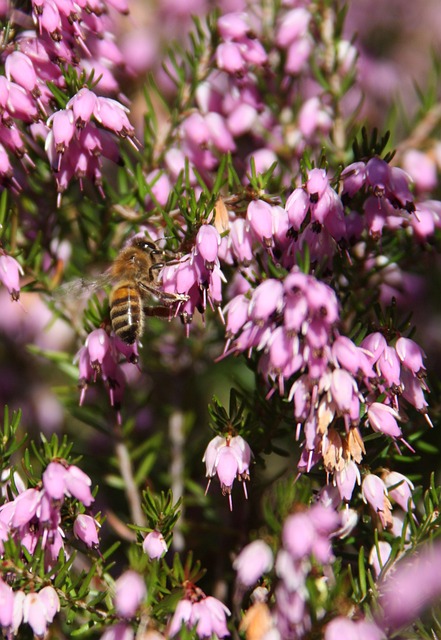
132, 493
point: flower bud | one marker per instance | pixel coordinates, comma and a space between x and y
154, 545
85, 529
10, 270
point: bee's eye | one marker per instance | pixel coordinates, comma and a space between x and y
148, 247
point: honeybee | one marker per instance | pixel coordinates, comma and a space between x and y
133, 275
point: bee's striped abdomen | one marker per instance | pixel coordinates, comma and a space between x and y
126, 313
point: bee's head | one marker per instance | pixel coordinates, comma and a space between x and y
145, 245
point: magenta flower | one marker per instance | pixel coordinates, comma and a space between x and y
353, 177
252, 562
411, 355
113, 115
154, 545
130, 591
83, 105
19, 67
267, 299
98, 345
383, 419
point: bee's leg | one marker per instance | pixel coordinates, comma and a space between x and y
153, 268
158, 312
165, 297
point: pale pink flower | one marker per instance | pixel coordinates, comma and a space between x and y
297, 206
293, 24
78, 485
259, 216
98, 345
379, 555
252, 562
207, 613
85, 528
233, 26
19, 67
374, 493
342, 628
54, 477
25, 507
422, 167
400, 489
412, 586
6, 604
130, 591
346, 478
207, 244
120, 631
229, 458
10, 270
229, 58
154, 545
40, 608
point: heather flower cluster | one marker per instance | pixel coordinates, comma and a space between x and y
65, 35
306, 538
256, 57
204, 613
36, 608
101, 355
34, 519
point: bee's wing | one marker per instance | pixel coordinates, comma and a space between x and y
82, 287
